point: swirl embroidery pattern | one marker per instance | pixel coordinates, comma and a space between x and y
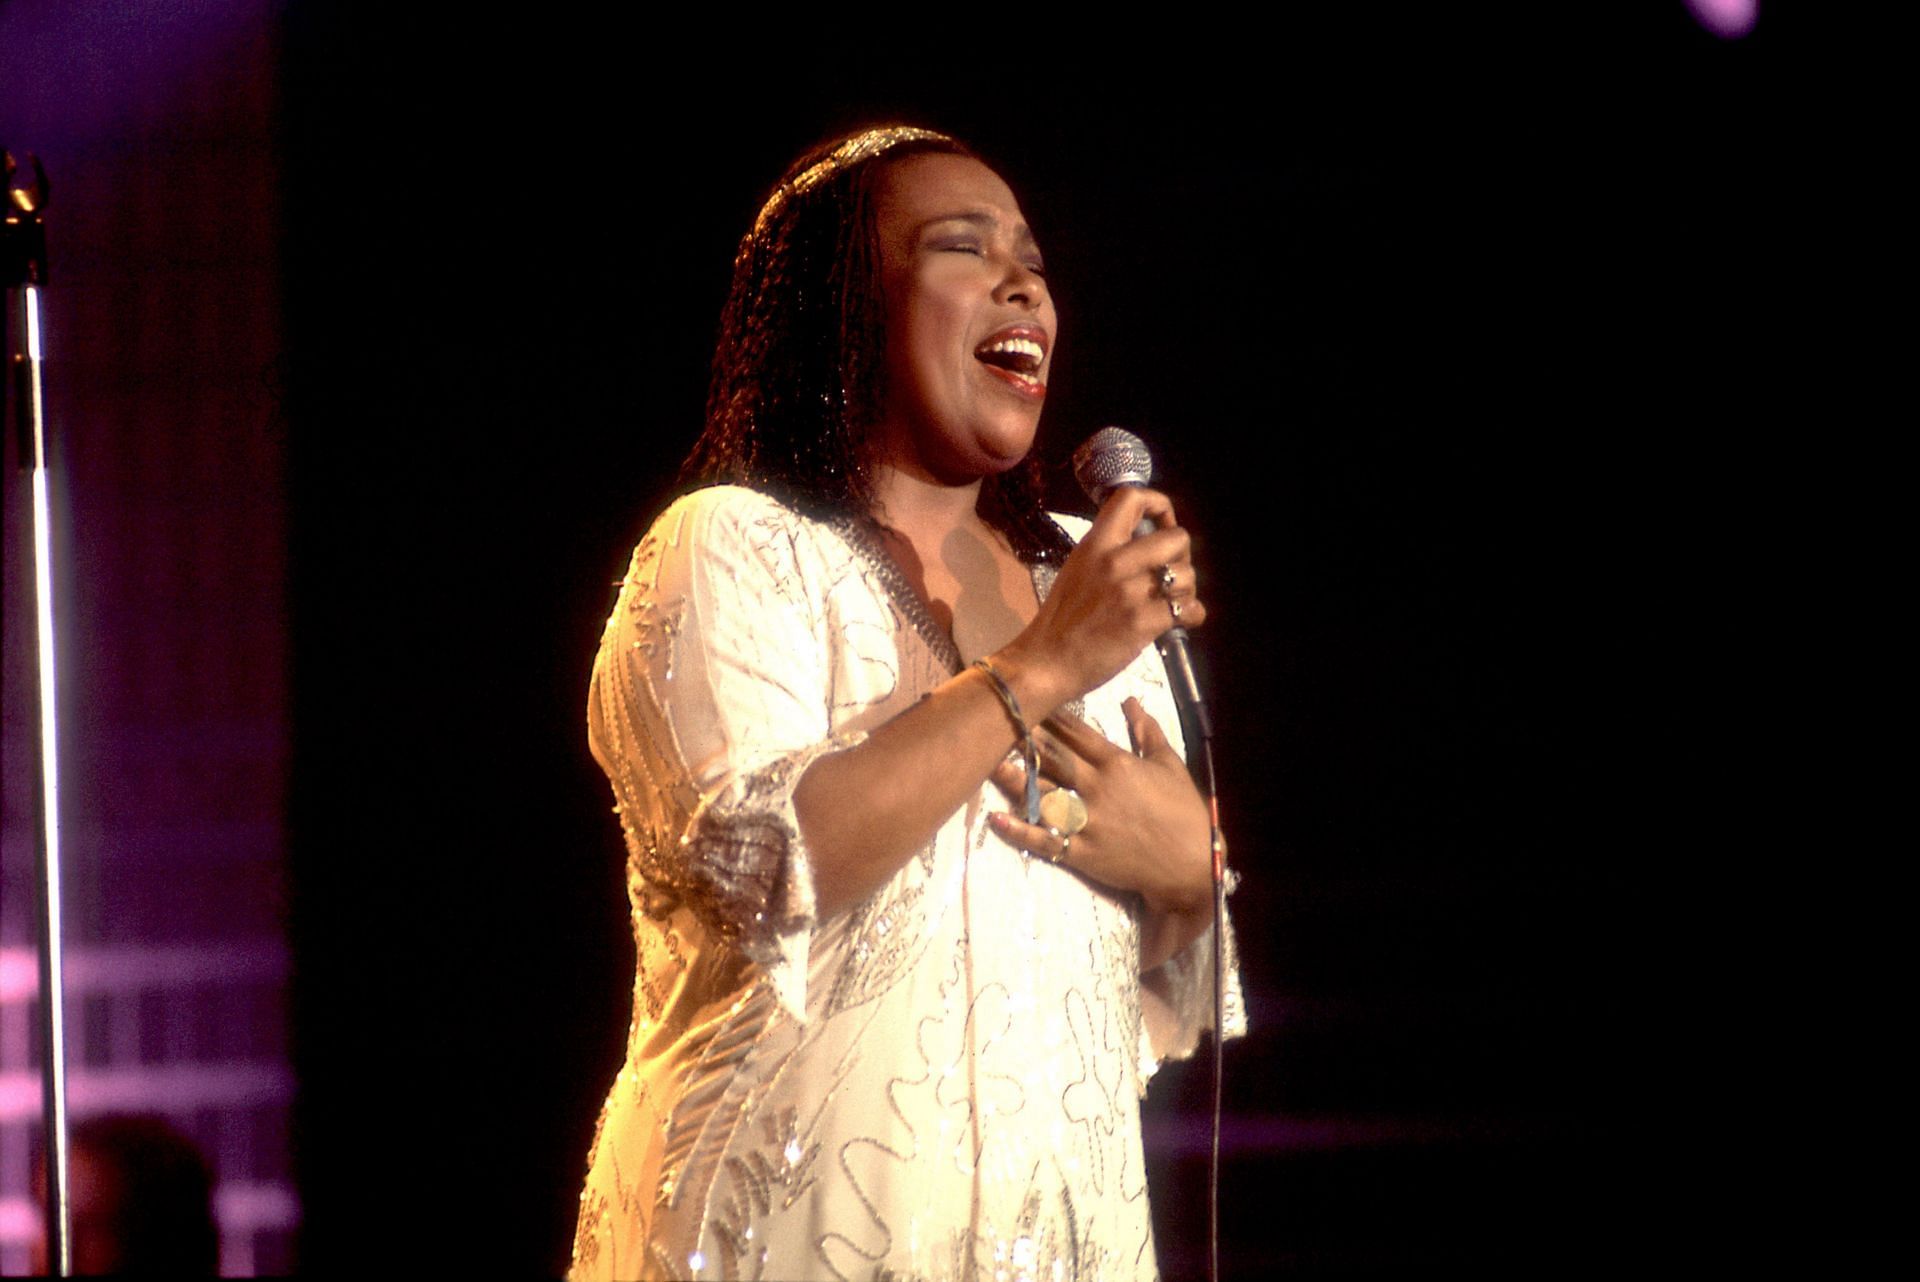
939, 1084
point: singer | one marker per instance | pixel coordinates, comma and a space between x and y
920, 884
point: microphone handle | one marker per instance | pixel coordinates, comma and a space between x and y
1172, 645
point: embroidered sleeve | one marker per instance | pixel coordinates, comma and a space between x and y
709, 702
1176, 998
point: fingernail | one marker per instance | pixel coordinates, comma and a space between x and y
997, 820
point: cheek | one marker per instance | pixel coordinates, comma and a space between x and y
932, 346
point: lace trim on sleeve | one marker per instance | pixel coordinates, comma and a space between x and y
1181, 990
744, 869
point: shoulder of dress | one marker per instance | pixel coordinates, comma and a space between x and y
729, 503
726, 514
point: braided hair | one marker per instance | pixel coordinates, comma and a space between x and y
800, 369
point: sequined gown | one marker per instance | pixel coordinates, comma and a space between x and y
942, 1083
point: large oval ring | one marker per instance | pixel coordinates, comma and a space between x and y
1166, 582
1063, 809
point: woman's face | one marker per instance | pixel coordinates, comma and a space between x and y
970, 325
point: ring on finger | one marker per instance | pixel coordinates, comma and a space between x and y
1166, 582
1066, 843
1063, 811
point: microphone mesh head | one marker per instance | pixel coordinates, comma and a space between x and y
1110, 458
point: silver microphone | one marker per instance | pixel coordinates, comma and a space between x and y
1110, 458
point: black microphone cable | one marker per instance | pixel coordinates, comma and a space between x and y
1110, 458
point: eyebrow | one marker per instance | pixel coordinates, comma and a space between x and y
1022, 234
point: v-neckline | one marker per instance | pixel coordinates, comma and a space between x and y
861, 537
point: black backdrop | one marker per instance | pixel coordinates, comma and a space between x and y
1404, 347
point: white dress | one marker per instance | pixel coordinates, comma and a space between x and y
941, 1083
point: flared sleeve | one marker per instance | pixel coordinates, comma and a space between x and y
1176, 999
710, 699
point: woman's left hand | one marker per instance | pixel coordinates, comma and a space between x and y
1147, 826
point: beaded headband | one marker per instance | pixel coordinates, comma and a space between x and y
855, 150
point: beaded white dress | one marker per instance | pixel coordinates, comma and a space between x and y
939, 1084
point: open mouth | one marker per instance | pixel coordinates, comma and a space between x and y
1015, 355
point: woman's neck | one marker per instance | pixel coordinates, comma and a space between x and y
922, 507
963, 570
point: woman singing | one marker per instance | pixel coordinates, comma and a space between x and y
891, 1021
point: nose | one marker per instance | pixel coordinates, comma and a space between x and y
1021, 285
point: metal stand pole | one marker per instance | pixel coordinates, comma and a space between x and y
23, 267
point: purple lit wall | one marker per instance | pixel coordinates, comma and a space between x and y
155, 125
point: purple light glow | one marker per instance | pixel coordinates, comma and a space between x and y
72, 72
126, 973
1728, 19
1190, 1135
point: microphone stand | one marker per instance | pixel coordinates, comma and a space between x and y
23, 271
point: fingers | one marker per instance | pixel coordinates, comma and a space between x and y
1112, 596
1146, 554
1075, 742
1058, 768
1149, 740
1072, 754
1176, 581
1164, 547
1139, 525
1058, 763
1177, 589
1054, 847
1120, 516
1149, 574
1011, 778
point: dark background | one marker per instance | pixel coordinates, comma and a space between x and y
1431, 330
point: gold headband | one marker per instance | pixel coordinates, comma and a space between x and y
860, 147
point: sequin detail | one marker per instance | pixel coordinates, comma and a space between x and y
940, 1083
737, 854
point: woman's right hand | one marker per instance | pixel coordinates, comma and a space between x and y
865, 810
1107, 603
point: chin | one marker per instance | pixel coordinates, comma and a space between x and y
1010, 448
963, 448
991, 461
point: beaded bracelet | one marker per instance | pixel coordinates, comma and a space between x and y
1029, 755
